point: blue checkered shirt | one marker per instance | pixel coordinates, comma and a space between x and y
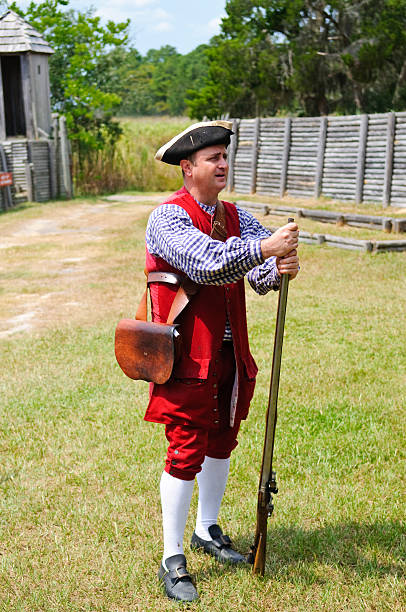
172, 236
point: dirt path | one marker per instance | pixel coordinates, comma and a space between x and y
54, 260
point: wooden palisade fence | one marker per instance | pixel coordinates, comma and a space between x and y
358, 157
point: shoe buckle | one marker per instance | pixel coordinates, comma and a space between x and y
182, 573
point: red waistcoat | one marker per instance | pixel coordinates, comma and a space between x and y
188, 397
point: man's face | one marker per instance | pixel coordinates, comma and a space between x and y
209, 169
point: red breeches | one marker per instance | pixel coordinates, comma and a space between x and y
188, 446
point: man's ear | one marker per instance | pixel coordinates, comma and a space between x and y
186, 166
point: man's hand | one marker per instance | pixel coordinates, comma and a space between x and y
282, 242
288, 264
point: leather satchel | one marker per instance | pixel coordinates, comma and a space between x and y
147, 350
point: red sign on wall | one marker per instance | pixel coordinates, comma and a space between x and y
6, 178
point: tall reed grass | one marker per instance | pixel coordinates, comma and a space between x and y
129, 165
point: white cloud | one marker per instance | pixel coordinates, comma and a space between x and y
162, 20
141, 3
161, 14
214, 25
158, 22
163, 26
128, 6
119, 10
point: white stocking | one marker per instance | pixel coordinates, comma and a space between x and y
175, 500
212, 482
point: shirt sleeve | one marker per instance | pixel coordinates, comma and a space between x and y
264, 276
172, 236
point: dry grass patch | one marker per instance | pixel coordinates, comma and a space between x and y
53, 268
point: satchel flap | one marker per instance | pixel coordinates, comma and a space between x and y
145, 350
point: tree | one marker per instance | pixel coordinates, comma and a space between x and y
189, 70
307, 56
157, 82
243, 79
124, 72
79, 88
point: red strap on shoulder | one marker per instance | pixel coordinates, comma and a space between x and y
187, 287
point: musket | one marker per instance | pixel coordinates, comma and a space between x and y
267, 481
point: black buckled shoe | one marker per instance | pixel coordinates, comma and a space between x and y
176, 579
220, 547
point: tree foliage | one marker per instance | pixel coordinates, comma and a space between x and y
306, 56
156, 84
79, 89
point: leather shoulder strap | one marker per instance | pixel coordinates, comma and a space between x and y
186, 291
219, 229
142, 310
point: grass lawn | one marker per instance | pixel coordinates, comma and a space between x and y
80, 522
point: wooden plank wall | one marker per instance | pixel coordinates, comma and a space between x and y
398, 192
16, 155
38, 169
270, 156
359, 157
340, 158
303, 156
39, 157
374, 175
243, 156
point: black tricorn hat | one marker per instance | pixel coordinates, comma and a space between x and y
196, 137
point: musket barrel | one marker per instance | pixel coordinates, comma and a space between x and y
274, 385
267, 484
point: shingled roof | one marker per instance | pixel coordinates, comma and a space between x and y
17, 36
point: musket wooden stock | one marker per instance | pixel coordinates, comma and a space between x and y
267, 481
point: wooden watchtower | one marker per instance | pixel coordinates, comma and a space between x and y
33, 142
25, 108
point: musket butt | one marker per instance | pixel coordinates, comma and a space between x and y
258, 569
259, 561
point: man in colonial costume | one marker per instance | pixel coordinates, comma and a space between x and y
212, 383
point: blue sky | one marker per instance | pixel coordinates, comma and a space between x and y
155, 23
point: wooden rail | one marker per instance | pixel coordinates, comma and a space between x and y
367, 221
376, 222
